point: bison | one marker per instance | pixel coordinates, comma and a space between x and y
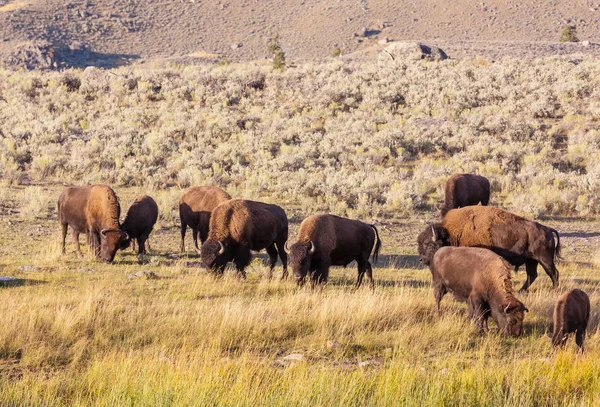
195, 206
518, 240
238, 226
328, 240
139, 221
571, 314
465, 190
95, 211
480, 278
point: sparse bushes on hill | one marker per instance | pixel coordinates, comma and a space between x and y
568, 34
339, 137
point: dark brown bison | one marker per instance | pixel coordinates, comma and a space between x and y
95, 211
328, 240
238, 226
140, 220
480, 278
195, 206
465, 190
518, 240
571, 314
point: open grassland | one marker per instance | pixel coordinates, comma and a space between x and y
80, 332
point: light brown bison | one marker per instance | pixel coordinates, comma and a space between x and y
238, 226
465, 190
518, 240
195, 207
139, 221
480, 278
95, 211
571, 314
328, 240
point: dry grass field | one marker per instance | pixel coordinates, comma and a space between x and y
80, 332
352, 139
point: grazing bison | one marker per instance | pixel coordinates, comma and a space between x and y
328, 240
518, 240
95, 211
238, 226
480, 278
571, 314
195, 206
465, 190
139, 221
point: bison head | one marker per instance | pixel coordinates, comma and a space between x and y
110, 241
429, 241
213, 254
509, 317
300, 258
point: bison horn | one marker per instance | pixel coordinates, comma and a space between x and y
286, 248
312, 247
506, 309
222, 248
433, 236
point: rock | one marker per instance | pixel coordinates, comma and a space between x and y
364, 364
29, 268
236, 45
585, 43
296, 357
31, 55
94, 79
399, 52
149, 274
10, 281
384, 40
77, 46
330, 345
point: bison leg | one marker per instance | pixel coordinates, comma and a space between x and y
95, 243
183, 230
64, 236
362, 268
579, 338
551, 270
476, 312
241, 260
75, 236
195, 237
531, 269
272, 251
439, 290
370, 276
142, 244
283, 256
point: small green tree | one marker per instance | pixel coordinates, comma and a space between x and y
569, 34
278, 55
336, 52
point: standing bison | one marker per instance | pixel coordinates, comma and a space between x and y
328, 240
480, 278
195, 206
140, 220
94, 211
518, 240
465, 190
571, 315
238, 226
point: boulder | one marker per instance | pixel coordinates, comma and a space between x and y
399, 52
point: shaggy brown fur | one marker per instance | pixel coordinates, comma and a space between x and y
140, 220
518, 240
195, 207
465, 190
480, 278
328, 240
94, 211
571, 315
238, 226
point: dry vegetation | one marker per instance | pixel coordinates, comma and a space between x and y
354, 140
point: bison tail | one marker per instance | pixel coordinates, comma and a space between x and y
377, 245
557, 255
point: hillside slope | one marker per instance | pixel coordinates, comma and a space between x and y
239, 29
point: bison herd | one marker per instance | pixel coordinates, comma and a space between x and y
469, 252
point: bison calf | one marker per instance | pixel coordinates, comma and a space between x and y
238, 226
94, 211
195, 207
571, 314
328, 240
139, 221
480, 278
